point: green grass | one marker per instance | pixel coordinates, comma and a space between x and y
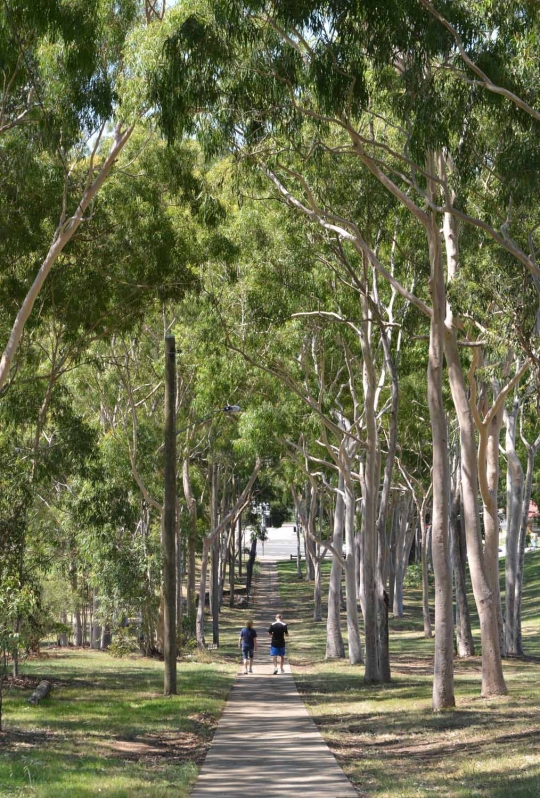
107, 729
388, 740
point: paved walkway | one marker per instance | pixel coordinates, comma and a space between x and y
266, 744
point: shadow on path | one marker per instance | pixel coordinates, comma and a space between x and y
266, 744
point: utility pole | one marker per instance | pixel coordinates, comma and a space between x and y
168, 528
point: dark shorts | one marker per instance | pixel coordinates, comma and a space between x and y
277, 651
247, 653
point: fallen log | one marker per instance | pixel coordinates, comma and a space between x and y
42, 691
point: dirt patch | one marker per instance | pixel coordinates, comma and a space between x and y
15, 739
173, 747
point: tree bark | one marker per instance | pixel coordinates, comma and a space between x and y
317, 590
382, 519
298, 551
370, 498
464, 638
199, 625
353, 629
491, 516
96, 628
214, 593
401, 554
334, 638
492, 674
443, 681
514, 515
192, 545
169, 522
240, 552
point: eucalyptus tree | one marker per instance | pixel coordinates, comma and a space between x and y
353, 79
69, 107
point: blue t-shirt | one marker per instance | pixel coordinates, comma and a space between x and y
248, 636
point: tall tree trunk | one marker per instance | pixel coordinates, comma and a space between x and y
317, 590
443, 681
353, 629
514, 513
492, 674
401, 554
105, 641
214, 596
334, 639
180, 569
465, 644
491, 517
240, 554
250, 564
63, 638
96, 628
372, 477
310, 545
168, 522
232, 586
199, 626
298, 550
192, 546
382, 519
428, 632
394, 534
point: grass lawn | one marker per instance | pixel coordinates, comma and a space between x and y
388, 740
107, 729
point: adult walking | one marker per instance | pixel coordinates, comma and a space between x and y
278, 630
247, 641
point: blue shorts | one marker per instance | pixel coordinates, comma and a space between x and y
247, 653
277, 651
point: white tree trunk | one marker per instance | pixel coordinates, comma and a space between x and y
370, 499
514, 505
334, 639
492, 675
353, 630
443, 681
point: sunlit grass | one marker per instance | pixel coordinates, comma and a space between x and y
107, 729
386, 737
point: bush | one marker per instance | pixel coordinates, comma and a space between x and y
123, 644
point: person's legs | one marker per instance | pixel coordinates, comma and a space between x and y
245, 664
251, 661
282, 663
274, 659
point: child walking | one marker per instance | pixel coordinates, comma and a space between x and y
247, 641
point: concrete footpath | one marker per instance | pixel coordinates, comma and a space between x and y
266, 744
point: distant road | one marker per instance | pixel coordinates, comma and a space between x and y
280, 545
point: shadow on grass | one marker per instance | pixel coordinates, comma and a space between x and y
387, 738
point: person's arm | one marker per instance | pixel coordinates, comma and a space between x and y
286, 630
270, 630
255, 641
240, 640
